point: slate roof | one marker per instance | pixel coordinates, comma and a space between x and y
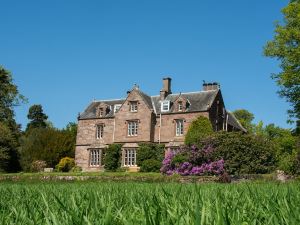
90, 111
198, 101
233, 121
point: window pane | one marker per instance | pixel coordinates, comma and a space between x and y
133, 106
99, 131
179, 127
130, 157
132, 128
95, 157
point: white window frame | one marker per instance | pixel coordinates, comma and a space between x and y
180, 106
165, 104
133, 106
99, 131
117, 107
129, 159
132, 129
179, 127
95, 157
101, 112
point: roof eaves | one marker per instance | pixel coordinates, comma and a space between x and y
238, 122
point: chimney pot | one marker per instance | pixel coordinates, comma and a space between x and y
211, 86
166, 88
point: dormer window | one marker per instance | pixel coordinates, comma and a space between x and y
165, 106
180, 106
101, 112
133, 106
117, 107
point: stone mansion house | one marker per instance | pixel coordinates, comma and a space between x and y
139, 118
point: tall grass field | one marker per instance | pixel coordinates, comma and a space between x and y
149, 203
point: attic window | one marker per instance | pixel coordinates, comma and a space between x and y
101, 112
117, 107
180, 106
165, 106
133, 106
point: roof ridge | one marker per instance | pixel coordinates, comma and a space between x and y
183, 93
109, 100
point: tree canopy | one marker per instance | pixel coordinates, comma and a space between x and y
9, 129
285, 48
245, 118
47, 144
199, 129
8, 150
9, 97
37, 116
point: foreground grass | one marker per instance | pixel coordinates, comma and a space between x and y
145, 203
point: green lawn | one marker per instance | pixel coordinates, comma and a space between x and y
149, 203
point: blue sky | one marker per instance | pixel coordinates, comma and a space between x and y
64, 54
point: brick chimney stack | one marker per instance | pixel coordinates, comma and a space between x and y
211, 86
166, 88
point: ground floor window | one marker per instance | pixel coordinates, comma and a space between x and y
95, 157
130, 157
179, 127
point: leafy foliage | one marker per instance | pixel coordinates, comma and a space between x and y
9, 129
198, 130
8, 150
112, 158
285, 47
151, 165
37, 116
9, 98
65, 164
150, 156
245, 118
47, 144
8, 147
243, 153
286, 147
150, 151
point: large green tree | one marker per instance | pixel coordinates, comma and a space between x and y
7, 146
285, 48
198, 130
47, 144
37, 117
9, 98
9, 129
245, 118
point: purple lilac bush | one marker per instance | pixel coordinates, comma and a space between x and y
199, 162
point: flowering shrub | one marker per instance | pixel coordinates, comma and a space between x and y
38, 166
65, 164
198, 162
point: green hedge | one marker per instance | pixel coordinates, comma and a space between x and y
150, 157
198, 130
112, 158
243, 153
